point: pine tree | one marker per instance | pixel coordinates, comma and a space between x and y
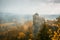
43, 35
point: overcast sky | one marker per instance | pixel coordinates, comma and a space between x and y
42, 7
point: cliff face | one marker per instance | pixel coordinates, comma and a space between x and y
37, 23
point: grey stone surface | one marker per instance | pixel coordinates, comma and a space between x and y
38, 23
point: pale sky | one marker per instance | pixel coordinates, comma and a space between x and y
42, 7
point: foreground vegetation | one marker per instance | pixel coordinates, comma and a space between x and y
25, 32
